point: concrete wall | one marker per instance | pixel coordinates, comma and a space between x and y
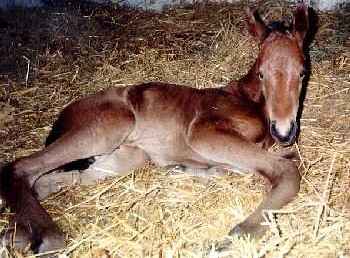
160, 4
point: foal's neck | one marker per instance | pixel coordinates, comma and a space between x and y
248, 87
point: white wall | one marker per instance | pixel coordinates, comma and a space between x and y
327, 4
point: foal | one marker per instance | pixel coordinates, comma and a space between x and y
206, 130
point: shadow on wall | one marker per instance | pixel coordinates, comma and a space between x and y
6, 4
332, 36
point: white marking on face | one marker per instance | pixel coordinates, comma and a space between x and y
283, 127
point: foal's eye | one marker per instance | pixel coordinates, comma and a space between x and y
261, 76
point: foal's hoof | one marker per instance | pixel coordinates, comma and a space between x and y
246, 230
19, 239
224, 248
16, 238
50, 245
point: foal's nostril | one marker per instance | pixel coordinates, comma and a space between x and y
273, 128
286, 138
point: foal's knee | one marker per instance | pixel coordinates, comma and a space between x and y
290, 178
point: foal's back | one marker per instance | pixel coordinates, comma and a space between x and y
175, 107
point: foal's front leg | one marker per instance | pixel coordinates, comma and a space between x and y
228, 148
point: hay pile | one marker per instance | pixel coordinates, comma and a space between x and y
52, 57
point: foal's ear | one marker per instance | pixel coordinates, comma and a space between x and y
256, 25
300, 23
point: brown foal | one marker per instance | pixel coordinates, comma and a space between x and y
206, 130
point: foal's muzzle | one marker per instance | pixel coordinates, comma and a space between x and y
287, 137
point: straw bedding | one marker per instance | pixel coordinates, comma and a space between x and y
50, 58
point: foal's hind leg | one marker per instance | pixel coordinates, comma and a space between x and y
97, 130
118, 163
229, 149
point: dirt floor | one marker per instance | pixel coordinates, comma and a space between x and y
52, 57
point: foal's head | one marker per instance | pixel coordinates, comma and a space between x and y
280, 69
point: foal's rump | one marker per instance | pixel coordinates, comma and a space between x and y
81, 113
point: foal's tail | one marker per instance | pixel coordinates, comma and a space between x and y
31, 224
